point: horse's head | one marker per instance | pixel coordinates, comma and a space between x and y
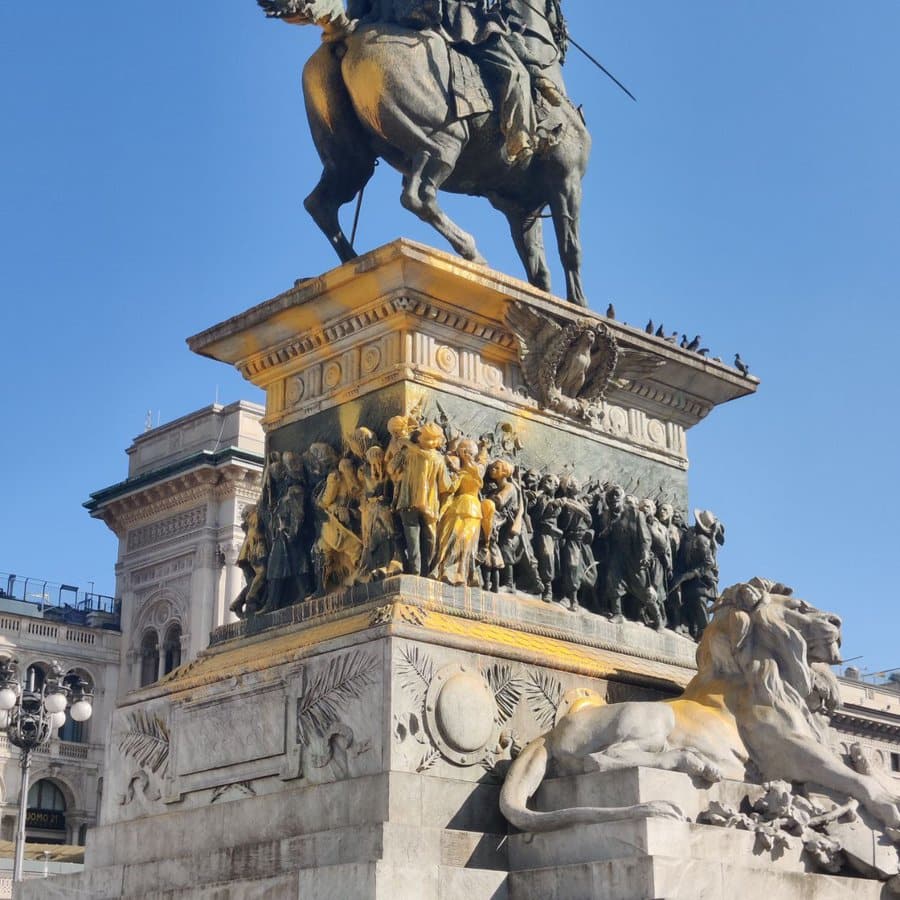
305, 12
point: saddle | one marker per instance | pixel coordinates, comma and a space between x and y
470, 95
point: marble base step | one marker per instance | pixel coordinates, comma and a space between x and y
671, 878
394, 862
662, 859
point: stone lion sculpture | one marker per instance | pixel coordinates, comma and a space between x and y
755, 708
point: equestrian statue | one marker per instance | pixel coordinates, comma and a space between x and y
461, 95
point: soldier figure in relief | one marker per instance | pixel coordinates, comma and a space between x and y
698, 577
576, 559
252, 560
289, 566
421, 477
380, 555
666, 515
459, 528
547, 535
659, 570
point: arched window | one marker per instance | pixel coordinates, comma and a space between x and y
46, 795
149, 657
73, 732
45, 822
172, 648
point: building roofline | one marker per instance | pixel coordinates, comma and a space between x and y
246, 405
201, 459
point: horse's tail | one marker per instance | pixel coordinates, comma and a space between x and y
524, 778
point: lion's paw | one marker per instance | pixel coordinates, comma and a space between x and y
698, 766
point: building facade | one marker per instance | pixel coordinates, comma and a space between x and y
66, 779
178, 520
870, 718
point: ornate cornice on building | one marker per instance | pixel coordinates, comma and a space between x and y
238, 481
866, 722
679, 402
130, 503
324, 346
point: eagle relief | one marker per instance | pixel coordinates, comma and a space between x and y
569, 367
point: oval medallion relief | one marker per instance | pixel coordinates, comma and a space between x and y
460, 712
331, 375
294, 390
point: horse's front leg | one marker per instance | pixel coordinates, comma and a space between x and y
328, 196
566, 209
430, 168
527, 233
342, 144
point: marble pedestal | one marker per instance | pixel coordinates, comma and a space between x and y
354, 753
353, 746
662, 858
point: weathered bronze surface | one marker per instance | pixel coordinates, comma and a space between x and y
456, 95
431, 501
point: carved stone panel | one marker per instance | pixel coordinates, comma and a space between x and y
165, 529
230, 731
460, 714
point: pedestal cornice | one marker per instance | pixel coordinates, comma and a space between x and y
408, 313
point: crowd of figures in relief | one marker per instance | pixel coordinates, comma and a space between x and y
433, 502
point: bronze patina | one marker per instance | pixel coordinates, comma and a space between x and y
461, 95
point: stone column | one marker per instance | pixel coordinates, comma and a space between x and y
232, 585
203, 595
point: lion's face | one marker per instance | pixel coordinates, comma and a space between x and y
770, 637
820, 630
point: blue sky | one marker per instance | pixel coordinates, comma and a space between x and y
152, 165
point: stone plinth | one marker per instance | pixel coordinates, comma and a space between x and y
662, 858
356, 752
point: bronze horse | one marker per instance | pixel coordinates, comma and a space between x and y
384, 91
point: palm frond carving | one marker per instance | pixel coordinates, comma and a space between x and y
416, 672
429, 760
507, 688
544, 693
146, 741
345, 678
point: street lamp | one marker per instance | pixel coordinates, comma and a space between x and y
30, 715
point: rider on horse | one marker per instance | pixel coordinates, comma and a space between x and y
479, 29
